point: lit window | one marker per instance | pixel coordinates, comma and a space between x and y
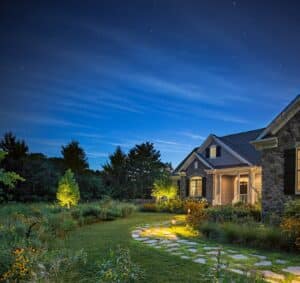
213, 151
298, 171
196, 165
196, 187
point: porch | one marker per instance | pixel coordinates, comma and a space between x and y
232, 185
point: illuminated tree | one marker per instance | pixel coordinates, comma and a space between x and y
8, 178
164, 189
68, 191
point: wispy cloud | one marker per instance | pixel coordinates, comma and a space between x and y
193, 136
96, 154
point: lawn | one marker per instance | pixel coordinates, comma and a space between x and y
159, 266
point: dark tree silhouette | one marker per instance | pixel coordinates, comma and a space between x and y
144, 166
14, 148
115, 174
74, 157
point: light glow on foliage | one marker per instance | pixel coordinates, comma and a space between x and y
68, 191
164, 190
170, 233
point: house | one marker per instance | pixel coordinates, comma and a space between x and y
279, 144
245, 166
224, 170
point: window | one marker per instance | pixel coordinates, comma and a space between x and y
196, 187
297, 191
213, 151
196, 165
243, 190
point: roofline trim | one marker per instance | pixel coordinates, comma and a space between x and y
282, 118
230, 150
193, 154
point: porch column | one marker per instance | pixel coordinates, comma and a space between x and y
252, 187
249, 196
214, 193
238, 187
220, 189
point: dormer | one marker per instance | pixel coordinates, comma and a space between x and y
213, 151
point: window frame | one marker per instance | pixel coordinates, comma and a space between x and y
215, 151
196, 165
297, 171
196, 180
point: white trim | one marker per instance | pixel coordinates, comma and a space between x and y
190, 160
203, 160
277, 123
271, 142
230, 150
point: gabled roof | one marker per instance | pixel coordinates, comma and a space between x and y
240, 143
237, 144
280, 120
196, 154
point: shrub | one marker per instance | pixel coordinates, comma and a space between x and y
164, 189
235, 213
290, 224
118, 267
196, 212
149, 207
60, 225
68, 191
254, 235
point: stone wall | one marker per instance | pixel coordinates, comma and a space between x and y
273, 197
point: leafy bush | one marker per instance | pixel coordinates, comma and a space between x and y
164, 189
290, 224
196, 212
60, 225
149, 207
254, 235
235, 213
118, 267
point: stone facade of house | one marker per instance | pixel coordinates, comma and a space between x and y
273, 196
190, 172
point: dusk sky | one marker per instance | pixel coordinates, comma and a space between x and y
110, 73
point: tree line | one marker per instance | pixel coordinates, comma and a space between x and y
124, 176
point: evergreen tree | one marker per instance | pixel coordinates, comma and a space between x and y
68, 191
144, 167
115, 174
74, 157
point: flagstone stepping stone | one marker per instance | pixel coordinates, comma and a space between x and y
182, 241
231, 251
280, 261
210, 248
239, 256
200, 260
262, 257
263, 263
192, 250
295, 270
191, 243
177, 253
237, 271
172, 250
185, 257
172, 245
215, 253
297, 280
151, 241
272, 275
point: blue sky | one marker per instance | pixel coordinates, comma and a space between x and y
110, 73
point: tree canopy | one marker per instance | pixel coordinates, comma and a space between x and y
74, 157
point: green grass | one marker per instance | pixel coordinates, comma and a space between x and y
159, 266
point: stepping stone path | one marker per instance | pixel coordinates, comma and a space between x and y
239, 256
201, 253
